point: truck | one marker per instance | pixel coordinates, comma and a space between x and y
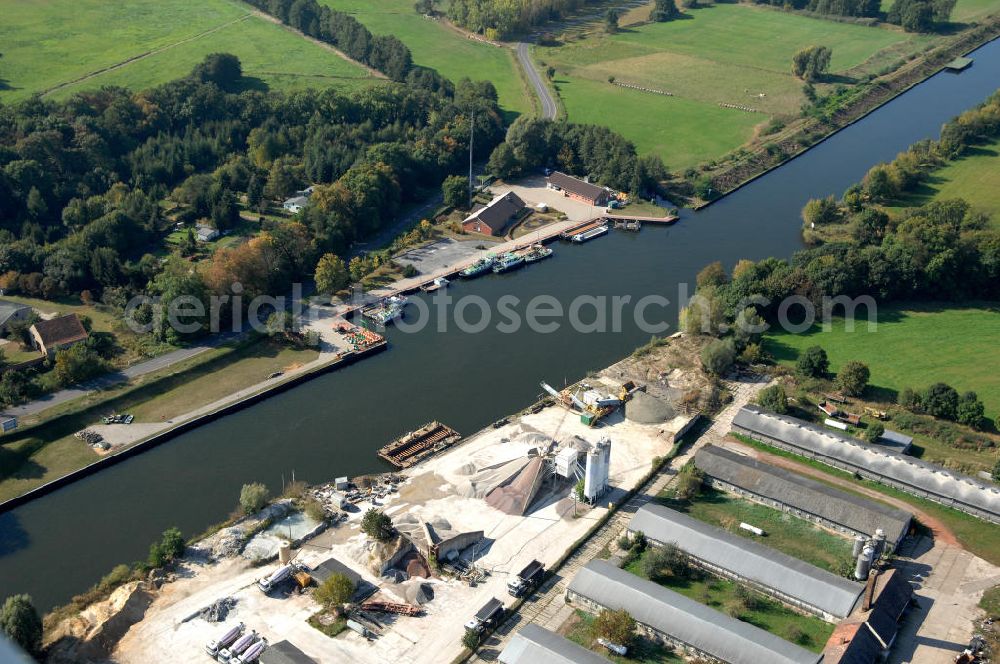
487, 617
225, 640
238, 648
527, 579
270, 582
252, 654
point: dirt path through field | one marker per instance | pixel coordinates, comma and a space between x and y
942, 534
142, 56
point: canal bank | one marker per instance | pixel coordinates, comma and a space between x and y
331, 426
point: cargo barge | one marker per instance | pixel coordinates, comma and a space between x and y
417, 445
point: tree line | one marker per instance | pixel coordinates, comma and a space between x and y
499, 19
606, 156
385, 53
912, 15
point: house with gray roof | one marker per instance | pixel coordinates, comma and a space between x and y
12, 312
790, 580
671, 617
804, 497
875, 462
533, 644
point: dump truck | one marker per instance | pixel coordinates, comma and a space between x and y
527, 579
270, 582
225, 640
487, 617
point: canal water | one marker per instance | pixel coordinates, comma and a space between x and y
60, 544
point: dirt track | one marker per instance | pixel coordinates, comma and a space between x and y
942, 534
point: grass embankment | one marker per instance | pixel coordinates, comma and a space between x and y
729, 597
580, 629
53, 43
435, 45
974, 177
786, 533
975, 535
33, 457
724, 53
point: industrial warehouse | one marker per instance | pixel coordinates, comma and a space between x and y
792, 581
768, 484
669, 616
903, 472
533, 644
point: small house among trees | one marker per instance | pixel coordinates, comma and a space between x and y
57, 333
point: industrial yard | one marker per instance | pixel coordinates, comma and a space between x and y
490, 505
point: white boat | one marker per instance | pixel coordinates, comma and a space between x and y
589, 235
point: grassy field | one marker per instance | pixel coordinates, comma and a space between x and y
786, 533
767, 614
435, 45
912, 347
51, 43
975, 178
724, 53
642, 651
975, 535
34, 457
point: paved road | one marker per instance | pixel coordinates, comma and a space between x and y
549, 107
547, 606
115, 378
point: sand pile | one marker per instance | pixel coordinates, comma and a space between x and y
480, 484
515, 496
418, 593
646, 409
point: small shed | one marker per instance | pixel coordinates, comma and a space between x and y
900, 442
206, 233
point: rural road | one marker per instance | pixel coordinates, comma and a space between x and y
548, 103
116, 377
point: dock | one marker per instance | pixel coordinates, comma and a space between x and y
959, 64
415, 446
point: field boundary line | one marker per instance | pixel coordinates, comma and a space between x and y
142, 56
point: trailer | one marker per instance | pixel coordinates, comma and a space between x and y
527, 579
238, 648
487, 617
393, 607
252, 654
270, 582
227, 639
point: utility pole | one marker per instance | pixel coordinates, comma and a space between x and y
472, 135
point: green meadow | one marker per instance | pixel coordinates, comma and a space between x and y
64, 46
912, 346
718, 54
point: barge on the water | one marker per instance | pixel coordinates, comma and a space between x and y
417, 445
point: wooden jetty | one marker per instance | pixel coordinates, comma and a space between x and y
417, 445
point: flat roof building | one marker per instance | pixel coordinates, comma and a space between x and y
902, 472
669, 616
533, 644
788, 579
805, 497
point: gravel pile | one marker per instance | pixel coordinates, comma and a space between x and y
646, 409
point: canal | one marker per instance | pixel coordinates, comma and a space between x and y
62, 543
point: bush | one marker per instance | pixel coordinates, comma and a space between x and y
774, 399
173, 543
853, 378
910, 400
470, 639
615, 626
813, 363
971, 411
941, 400
664, 561
689, 483
718, 356
253, 497
314, 509
336, 591
377, 525
20, 622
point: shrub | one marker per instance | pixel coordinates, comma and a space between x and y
910, 400
941, 400
874, 432
470, 639
853, 378
971, 411
377, 525
774, 399
253, 497
813, 363
314, 509
615, 626
718, 356
19, 620
336, 591
689, 483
